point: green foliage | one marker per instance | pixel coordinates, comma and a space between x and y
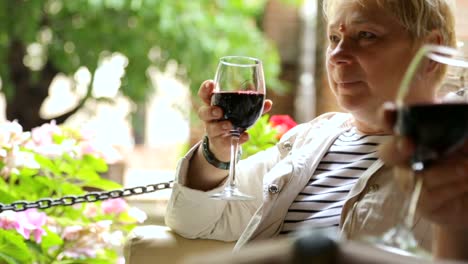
150, 33
13, 249
266, 132
262, 136
53, 162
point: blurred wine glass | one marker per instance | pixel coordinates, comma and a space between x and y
437, 125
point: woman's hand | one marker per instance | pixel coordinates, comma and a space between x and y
202, 175
444, 194
218, 131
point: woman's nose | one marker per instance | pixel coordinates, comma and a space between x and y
341, 54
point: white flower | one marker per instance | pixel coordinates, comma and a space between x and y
115, 238
26, 159
15, 158
139, 215
11, 134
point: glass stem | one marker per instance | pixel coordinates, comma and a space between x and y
234, 151
401, 236
413, 202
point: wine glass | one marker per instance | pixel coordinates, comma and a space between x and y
240, 92
437, 127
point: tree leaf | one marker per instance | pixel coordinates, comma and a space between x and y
103, 184
50, 240
12, 245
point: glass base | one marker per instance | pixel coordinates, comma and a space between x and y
232, 194
400, 241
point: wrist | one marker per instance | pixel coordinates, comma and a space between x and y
211, 158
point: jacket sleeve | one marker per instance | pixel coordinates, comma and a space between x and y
192, 214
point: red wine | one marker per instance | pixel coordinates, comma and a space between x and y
242, 108
436, 129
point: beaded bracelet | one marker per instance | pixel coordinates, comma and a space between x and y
210, 157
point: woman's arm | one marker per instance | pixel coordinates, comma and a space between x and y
192, 214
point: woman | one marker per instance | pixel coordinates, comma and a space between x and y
324, 173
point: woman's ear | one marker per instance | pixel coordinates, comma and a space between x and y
433, 38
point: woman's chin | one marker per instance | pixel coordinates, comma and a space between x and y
352, 104
360, 107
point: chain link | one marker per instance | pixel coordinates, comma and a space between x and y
90, 197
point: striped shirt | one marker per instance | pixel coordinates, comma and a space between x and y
319, 204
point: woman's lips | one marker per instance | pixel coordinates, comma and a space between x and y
348, 84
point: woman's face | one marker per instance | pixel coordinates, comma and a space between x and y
367, 55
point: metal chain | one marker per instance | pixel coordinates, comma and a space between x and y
89, 197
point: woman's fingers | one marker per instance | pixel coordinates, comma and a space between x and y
447, 172
267, 106
452, 213
433, 200
244, 137
205, 91
216, 129
444, 197
209, 113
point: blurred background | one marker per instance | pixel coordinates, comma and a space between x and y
130, 69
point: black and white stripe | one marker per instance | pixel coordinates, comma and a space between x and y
320, 203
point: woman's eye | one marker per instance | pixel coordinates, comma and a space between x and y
366, 35
334, 38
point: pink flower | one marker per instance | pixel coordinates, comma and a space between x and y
91, 210
43, 135
31, 221
115, 206
109, 153
72, 233
87, 241
87, 135
77, 253
26, 223
87, 148
8, 220
282, 123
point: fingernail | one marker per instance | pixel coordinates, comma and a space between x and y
389, 106
244, 137
215, 113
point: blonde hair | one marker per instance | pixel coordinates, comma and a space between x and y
419, 17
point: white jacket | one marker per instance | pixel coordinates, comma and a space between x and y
275, 177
